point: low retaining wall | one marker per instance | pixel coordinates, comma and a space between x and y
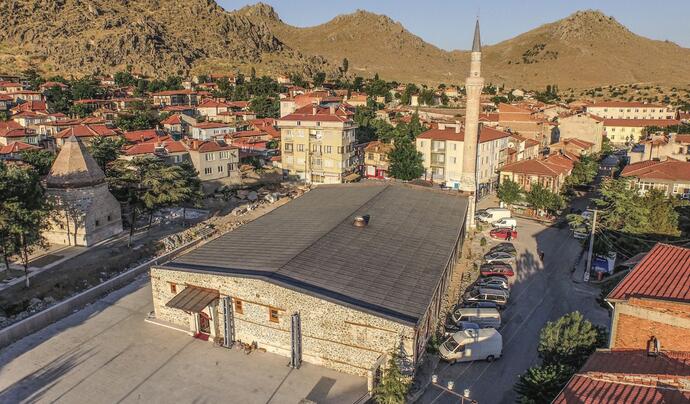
64, 308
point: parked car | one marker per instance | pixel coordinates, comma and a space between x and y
485, 317
498, 256
492, 215
504, 247
505, 222
502, 234
452, 327
496, 269
471, 345
493, 282
500, 297
477, 304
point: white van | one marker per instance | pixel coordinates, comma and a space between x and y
472, 345
484, 317
506, 222
494, 215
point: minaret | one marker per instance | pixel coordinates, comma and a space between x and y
473, 88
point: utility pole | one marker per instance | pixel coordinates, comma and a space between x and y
591, 246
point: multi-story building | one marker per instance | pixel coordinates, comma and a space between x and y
442, 152
662, 147
549, 172
670, 176
211, 130
376, 162
213, 159
175, 98
625, 131
317, 143
630, 110
648, 357
583, 127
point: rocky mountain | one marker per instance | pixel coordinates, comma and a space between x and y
155, 37
161, 37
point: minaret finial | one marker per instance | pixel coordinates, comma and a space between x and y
477, 44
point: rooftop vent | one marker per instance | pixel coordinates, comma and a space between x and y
361, 221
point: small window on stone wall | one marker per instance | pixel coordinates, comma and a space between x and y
273, 315
98, 223
173, 288
238, 307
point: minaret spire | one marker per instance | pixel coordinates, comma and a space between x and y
477, 43
473, 88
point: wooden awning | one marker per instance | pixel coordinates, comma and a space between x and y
193, 299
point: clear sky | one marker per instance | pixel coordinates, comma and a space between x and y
448, 23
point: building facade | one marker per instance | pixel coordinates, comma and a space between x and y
670, 176
376, 161
583, 127
630, 110
628, 131
317, 144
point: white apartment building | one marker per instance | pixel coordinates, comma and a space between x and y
630, 110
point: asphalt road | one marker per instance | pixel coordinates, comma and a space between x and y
541, 292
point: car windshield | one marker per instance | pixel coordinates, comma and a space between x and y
451, 344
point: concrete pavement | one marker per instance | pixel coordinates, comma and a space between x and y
108, 353
541, 292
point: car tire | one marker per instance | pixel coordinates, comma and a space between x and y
490, 358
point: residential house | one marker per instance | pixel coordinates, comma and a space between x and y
213, 159
211, 130
317, 144
442, 149
11, 131
525, 122
625, 131
549, 172
176, 125
168, 150
357, 99
630, 110
14, 150
575, 146
85, 133
521, 148
6, 102
670, 176
31, 106
145, 135
10, 87
648, 358
584, 127
26, 95
52, 84
376, 161
267, 125
176, 98
315, 291
661, 147
210, 108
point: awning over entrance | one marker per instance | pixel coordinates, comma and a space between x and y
193, 299
351, 177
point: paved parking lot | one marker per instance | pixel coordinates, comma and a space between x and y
541, 292
107, 353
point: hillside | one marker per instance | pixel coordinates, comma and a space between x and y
161, 37
155, 37
585, 49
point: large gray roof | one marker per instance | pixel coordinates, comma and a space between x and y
391, 267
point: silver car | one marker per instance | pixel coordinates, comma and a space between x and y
493, 282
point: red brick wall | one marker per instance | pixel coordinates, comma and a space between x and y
634, 332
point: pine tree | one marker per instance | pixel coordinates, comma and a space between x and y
568, 340
394, 385
541, 384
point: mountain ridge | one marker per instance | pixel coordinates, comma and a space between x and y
161, 37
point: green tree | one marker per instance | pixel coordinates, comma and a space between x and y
297, 80
33, 78
80, 110
191, 188
105, 150
40, 160
265, 107
25, 213
542, 199
394, 385
621, 207
123, 79
345, 66
86, 87
541, 384
584, 171
568, 340
662, 216
58, 100
509, 192
405, 160
319, 78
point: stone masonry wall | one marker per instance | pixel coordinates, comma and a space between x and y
637, 320
333, 335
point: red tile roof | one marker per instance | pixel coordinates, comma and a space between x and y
17, 147
641, 123
630, 376
174, 119
177, 108
212, 125
624, 104
682, 138
670, 169
312, 113
150, 147
664, 273
578, 142
207, 146
487, 134
138, 136
31, 106
173, 92
552, 166
86, 130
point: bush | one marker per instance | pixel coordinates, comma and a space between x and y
482, 242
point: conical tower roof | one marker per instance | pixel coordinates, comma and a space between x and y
74, 167
477, 42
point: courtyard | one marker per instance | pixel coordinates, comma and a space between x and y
108, 353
